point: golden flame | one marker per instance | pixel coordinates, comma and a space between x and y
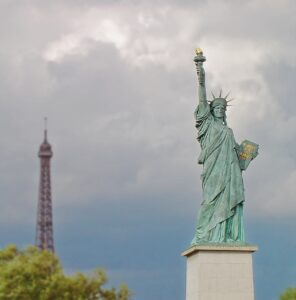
198, 51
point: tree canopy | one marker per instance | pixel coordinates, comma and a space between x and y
289, 294
38, 275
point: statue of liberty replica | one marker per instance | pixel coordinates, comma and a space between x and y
219, 261
220, 218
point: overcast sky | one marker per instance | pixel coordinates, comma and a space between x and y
118, 85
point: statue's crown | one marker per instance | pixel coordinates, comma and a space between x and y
219, 100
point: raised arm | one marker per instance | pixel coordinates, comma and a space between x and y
199, 60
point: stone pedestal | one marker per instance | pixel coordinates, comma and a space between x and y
219, 272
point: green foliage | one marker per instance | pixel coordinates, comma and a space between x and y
31, 274
289, 294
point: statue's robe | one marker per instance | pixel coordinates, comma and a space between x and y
220, 215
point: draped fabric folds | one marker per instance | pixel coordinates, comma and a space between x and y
220, 215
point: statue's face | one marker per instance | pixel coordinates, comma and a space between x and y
219, 111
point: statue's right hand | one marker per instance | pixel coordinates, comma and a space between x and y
200, 73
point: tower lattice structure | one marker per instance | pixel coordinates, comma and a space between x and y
44, 230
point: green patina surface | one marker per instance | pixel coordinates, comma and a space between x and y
220, 218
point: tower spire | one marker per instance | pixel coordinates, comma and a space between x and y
45, 129
44, 230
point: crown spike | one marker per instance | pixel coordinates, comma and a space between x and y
213, 95
220, 93
227, 95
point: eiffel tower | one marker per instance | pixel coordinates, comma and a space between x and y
44, 230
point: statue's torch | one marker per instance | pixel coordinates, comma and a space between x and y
199, 59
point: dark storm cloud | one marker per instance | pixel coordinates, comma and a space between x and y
109, 120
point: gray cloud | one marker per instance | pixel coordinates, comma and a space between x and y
120, 101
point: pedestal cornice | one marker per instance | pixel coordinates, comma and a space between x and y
219, 247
